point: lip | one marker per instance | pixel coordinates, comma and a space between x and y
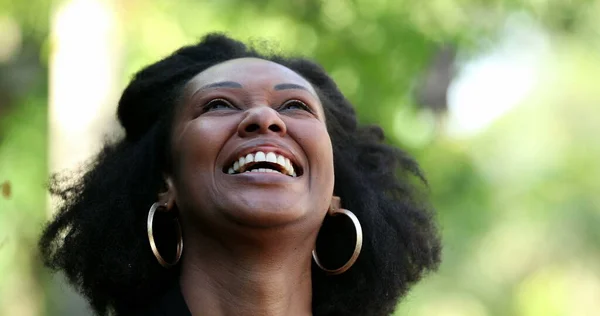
264, 178
276, 147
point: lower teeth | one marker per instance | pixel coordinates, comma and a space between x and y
263, 170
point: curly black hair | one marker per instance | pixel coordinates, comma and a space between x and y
98, 235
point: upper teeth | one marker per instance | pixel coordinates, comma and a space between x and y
242, 162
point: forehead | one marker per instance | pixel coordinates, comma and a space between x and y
249, 72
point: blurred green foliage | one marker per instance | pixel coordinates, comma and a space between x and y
517, 200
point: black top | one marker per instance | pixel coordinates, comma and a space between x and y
171, 304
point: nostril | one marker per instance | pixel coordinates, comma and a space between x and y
252, 128
275, 128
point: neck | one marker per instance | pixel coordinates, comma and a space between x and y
247, 278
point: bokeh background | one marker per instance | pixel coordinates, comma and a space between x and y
497, 99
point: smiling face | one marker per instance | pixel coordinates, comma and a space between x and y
250, 148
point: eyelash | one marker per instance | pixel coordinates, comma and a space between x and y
302, 105
210, 105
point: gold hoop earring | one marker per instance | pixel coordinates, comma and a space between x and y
357, 247
160, 259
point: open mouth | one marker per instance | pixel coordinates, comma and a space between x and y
264, 162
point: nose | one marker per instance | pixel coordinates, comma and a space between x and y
261, 120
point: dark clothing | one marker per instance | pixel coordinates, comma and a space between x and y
170, 304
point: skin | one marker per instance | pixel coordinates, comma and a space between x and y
248, 237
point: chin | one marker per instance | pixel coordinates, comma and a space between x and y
267, 213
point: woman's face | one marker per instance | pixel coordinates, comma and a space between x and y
250, 148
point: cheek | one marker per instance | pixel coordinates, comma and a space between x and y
327, 159
317, 144
322, 171
198, 144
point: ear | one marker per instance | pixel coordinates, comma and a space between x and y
167, 197
336, 203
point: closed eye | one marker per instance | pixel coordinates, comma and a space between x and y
295, 105
217, 104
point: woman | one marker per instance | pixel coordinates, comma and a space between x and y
245, 159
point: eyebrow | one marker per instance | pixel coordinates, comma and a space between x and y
233, 84
222, 84
285, 86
